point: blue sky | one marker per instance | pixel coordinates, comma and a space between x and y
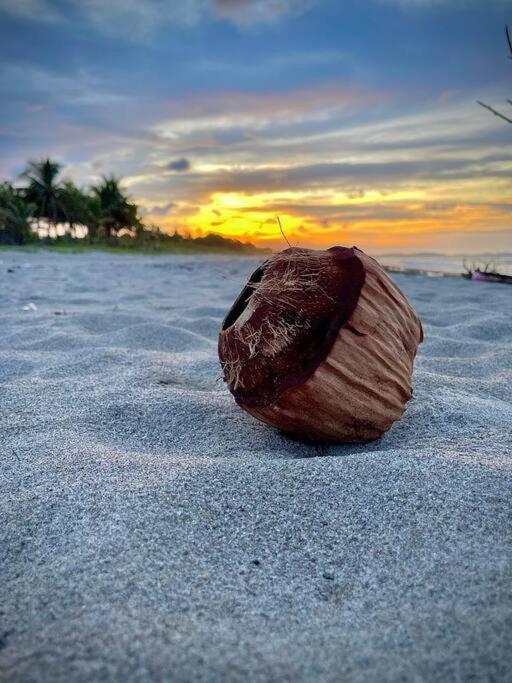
356, 121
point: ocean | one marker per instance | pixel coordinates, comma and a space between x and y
502, 263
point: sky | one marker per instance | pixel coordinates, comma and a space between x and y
354, 121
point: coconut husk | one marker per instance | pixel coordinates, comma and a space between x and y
321, 344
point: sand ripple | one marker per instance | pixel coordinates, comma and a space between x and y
152, 531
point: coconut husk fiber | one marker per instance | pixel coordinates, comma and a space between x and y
321, 344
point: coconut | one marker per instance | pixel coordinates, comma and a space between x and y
321, 345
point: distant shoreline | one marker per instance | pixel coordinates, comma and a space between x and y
429, 265
185, 247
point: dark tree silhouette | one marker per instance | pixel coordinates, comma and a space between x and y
15, 216
116, 211
93, 217
44, 190
75, 206
494, 111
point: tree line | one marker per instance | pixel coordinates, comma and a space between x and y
102, 210
99, 213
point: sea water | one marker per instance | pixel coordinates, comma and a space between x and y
502, 263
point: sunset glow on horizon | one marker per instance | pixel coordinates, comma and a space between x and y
354, 124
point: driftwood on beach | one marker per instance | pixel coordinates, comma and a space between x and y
486, 273
476, 275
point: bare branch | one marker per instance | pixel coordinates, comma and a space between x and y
495, 112
509, 42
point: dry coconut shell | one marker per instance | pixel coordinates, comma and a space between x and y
321, 344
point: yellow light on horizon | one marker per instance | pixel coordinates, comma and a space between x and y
416, 214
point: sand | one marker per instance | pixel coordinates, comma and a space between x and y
151, 531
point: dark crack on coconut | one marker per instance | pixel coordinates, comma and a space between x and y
286, 320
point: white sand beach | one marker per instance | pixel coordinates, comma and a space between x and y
152, 531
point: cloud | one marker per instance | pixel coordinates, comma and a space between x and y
448, 3
26, 81
139, 20
38, 10
274, 63
179, 165
158, 210
357, 170
323, 139
245, 12
379, 175
230, 112
136, 19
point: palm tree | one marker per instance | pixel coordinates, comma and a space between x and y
93, 217
44, 190
15, 216
116, 211
75, 205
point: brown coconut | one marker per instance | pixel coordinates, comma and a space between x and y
321, 344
